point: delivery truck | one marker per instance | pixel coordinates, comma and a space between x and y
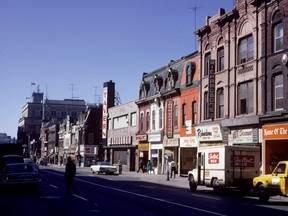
225, 166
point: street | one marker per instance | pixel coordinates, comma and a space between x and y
127, 195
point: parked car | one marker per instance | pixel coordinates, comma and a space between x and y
20, 173
103, 167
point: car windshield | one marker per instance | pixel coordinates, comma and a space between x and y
9, 159
103, 163
15, 168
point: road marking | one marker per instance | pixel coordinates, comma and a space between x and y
50, 197
153, 198
53, 186
148, 197
145, 186
80, 197
207, 197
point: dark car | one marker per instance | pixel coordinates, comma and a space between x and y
20, 173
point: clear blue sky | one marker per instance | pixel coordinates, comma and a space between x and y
56, 43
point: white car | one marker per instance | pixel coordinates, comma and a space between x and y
103, 167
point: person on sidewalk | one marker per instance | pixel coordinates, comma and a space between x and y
141, 166
149, 167
173, 168
70, 172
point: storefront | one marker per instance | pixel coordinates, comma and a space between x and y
156, 152
274, 146
171, 149
188, 154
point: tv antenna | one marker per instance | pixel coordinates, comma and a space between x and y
195, 8
96, 96
72, 91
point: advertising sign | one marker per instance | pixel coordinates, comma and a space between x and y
209, 133
105, 110
211, 88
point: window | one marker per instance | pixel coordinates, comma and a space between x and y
175, 113
278, 92
246, 49
246, 97
160, 118
141, 122
133, 119
206, 62
206, 105
153, 120
194, 112
190, 71
278, 37
184, 112
220, 103
148, 120
220, 59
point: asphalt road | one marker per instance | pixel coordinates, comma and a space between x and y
127, 194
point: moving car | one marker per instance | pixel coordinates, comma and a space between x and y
20, 173
103, 167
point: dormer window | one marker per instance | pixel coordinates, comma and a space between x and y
172, 76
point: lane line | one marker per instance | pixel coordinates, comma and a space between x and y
50, 197
213, 198
82, 198
53, 186
145, 196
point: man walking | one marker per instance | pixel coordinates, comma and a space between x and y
70, 172
173, 168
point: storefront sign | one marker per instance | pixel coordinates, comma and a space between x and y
211, 88
154, 138
170, 118
171, 142
209, 133
143, 147
244, 136
188, 142
125, 140
141, 137
275, 131
104, 114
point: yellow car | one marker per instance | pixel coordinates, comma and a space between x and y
272, 184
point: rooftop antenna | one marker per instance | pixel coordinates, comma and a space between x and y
97, 97
46, 91
195, 8
72, 91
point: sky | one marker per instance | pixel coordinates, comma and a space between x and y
69, 48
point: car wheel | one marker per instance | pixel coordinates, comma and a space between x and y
192, 184
263, 194
216, 186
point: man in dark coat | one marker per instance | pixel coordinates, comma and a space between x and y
70, 172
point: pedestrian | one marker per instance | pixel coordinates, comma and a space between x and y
173, 168
141, 166
70, 172
120, 167
149, 167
